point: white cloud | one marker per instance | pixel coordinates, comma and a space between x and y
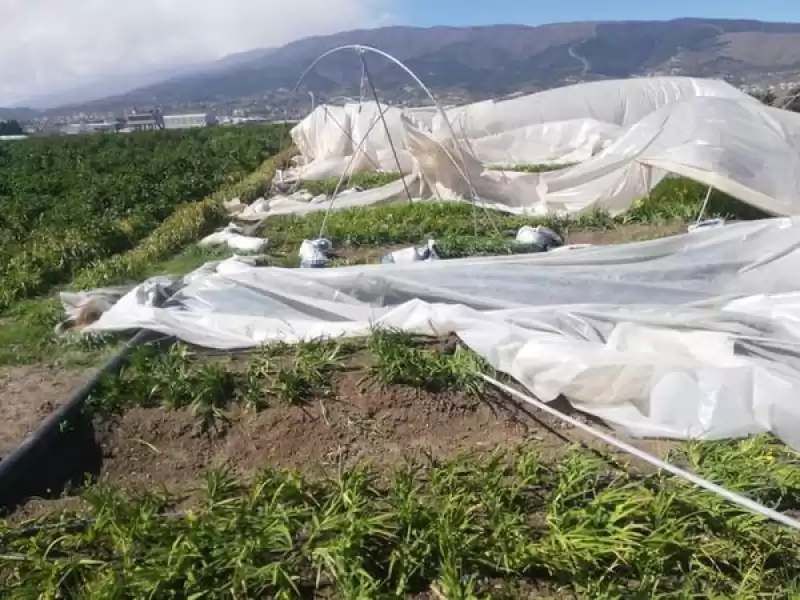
47, 45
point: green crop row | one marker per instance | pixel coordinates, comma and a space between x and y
187, 224
508, 525
502, 527
124, 187
673, 200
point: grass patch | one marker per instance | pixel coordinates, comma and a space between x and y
186, 225
476, 527
402, 359
176, 379
28, 335
169, 379
366, 181
280, 374
189, 259
295, 374
672, 201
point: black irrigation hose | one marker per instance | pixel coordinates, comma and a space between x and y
23, 458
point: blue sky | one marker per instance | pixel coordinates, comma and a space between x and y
531, 12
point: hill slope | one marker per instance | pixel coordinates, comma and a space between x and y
495, 59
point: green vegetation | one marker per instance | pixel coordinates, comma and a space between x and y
28, 326
186, 225
359, 235
367, 180
504, 526
674, 200
70, 201
280, 374
510, 524
401, 359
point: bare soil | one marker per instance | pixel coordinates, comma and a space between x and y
363, 423
30, 393
148, 448
624, 234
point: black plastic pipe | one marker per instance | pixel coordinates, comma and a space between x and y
26, 459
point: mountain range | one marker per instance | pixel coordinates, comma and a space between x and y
486, 61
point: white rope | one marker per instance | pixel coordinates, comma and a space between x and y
742, 501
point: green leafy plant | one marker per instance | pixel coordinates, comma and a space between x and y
508, 524
402, 359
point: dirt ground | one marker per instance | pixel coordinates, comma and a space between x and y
153, 447
624, 234
30, 393
148, 448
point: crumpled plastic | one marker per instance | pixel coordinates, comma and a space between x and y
412, 254
232, 237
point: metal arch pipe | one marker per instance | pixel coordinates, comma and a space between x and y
360, 49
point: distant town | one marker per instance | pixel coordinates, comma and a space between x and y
275, 106
151, 120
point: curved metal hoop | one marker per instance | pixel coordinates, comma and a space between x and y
360, 50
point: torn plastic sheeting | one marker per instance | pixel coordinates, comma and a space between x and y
559, 125
541, 238
412, 254
227, 266
717, 136
232, 237
314, 253
85, 307
620, 102
390, 193
666, 337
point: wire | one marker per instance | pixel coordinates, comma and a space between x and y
346, 171
742, 501
368, 79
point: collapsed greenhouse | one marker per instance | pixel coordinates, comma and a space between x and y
691, 336
497, 350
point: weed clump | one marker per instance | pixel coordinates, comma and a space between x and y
402, 359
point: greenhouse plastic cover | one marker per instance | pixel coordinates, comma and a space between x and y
691, 336
705, 130
745, 149
563, 125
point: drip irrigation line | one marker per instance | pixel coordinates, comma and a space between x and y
14, 466
738, 499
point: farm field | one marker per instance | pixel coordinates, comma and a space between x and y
68, 202
376, 468
82, 212
382, 468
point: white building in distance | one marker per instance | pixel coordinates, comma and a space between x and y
189, 121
